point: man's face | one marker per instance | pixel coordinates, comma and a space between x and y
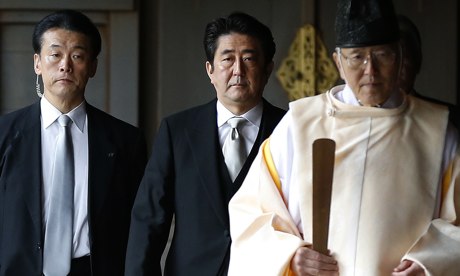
65, 64
239, 72
371, 72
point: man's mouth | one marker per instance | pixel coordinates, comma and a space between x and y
239, 82
65, 80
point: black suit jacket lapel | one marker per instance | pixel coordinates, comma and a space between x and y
26, 148
204, 143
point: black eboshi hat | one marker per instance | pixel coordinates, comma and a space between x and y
361, 23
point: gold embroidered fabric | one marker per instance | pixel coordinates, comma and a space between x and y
307, 70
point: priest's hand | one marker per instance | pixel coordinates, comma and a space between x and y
306, 261
408, 268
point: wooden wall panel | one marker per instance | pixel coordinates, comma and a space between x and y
72, 4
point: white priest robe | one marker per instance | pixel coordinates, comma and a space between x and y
392, 199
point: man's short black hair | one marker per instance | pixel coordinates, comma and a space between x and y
69, 20
240, 23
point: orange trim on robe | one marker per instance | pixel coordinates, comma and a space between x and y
447, 179
271, 165
276, 179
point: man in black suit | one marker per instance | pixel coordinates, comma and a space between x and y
411, 43
187, 175
109, 159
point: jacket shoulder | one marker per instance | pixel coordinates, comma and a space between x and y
192, 113
20, 114
274, 110
98, 116
19, 119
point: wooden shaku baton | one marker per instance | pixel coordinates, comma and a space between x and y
323, 171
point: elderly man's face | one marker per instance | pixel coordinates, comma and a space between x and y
65, 64
371, 72
239, 72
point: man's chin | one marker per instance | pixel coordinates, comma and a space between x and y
371, 98
237, 91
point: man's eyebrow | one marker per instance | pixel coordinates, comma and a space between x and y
356, 50
54, 45
227, 51
245, 51
250, 51
80, 47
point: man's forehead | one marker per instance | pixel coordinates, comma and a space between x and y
237, 39
63, 34
234, 45
369, 48
58, 37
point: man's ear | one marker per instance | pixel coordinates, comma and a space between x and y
209, 67
269, 68
209, 70
37, 64
93, 68
338, 64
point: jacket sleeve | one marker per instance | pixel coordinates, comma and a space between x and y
264, 236
153, 210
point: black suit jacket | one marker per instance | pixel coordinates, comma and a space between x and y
117, 157
187, 177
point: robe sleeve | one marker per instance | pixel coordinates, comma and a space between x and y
438, 250
264, 236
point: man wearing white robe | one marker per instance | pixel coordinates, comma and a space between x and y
396, 188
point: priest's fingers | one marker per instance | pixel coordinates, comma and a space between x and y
306, 261
408, 268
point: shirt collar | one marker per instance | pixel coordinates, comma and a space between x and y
254, 115
50, 114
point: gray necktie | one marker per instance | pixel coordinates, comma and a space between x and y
234, 148
59, 225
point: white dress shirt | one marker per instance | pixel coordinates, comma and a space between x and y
248, 130
79, 131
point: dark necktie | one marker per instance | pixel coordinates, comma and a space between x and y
59, 224
234, 148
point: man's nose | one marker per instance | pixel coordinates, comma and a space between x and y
238, 68
369, 65
66, 64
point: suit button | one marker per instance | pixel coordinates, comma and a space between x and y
227, 233
39, 247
